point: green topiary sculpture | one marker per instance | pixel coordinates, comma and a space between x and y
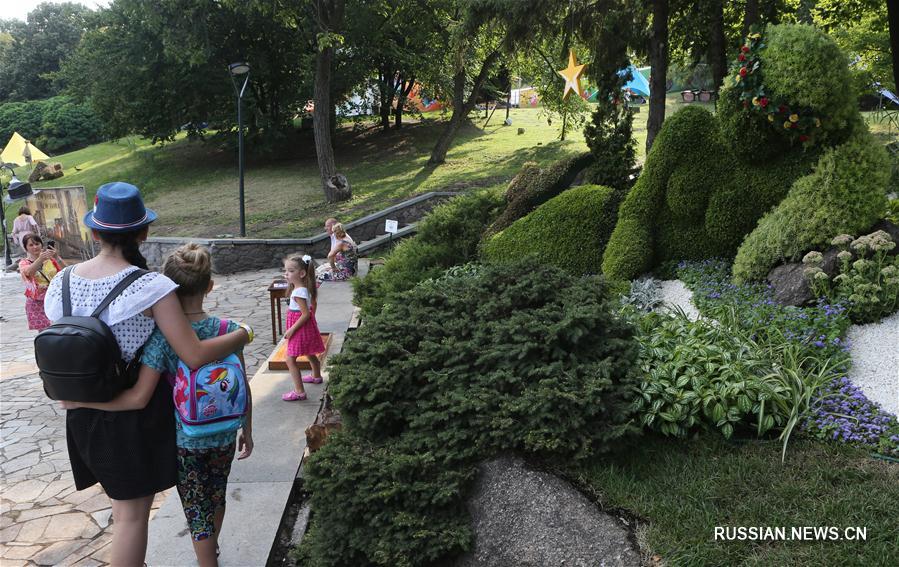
709, 179
569, 231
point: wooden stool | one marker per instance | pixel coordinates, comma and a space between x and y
276, 292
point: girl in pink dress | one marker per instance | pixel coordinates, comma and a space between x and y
303, 337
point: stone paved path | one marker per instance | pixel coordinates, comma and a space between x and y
43, 520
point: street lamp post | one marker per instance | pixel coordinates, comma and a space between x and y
236, 71
15, 190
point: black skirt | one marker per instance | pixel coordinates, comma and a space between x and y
130, 453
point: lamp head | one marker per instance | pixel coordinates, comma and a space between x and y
18, 189
238, 69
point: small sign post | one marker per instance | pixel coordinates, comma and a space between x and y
391, 226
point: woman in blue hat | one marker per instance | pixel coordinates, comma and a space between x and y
131, 454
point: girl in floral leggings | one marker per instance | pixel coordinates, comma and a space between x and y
204, 463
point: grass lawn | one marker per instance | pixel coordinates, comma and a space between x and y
682, 490
193, 185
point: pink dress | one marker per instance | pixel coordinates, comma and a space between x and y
307, 339
35, 290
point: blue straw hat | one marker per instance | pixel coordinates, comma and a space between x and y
118, 207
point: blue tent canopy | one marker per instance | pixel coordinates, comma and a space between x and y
638, 83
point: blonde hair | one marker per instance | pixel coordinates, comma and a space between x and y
308, 264
338, 230
189, 266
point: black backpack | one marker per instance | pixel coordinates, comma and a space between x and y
78, 357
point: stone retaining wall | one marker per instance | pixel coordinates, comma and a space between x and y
231, 255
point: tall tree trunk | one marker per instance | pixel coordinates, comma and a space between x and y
405, 90
717, 44
321, 123
329, 14
751, 16
893, 16
385, 86
461, 107
658, 61
804, 12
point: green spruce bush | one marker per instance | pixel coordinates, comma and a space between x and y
569, 231
446, 237
609, 135
514, 357
844, 194
535, 185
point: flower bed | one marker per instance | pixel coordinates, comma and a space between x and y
839, 411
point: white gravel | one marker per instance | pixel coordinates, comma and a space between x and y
676, 294
874, 349
875, 361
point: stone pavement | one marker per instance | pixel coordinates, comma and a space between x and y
43, 520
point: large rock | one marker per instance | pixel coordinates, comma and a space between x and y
788, 280
530, 518
45, 172
789, 285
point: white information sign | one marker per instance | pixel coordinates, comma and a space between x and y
391, 226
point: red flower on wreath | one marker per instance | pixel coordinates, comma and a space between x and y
803, 138
745, 49
743, 71
763, 102
741, 57
782, 109
794, 125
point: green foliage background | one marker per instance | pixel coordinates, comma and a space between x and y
54, 125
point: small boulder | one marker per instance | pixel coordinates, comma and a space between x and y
45, 172
531, 518
789, 284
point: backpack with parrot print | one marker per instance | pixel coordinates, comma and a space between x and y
211, 399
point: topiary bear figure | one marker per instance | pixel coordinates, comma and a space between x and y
787, 142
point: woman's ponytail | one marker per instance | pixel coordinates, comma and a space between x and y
129, 244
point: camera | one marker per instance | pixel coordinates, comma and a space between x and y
51, 244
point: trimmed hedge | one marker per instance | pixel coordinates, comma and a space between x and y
679, 211
844, 194
569, 231
806, 67
709, 179
535, 185
498, 358
446, 237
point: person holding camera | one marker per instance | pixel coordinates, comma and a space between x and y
37, 269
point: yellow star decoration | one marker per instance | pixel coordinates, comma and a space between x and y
572, 75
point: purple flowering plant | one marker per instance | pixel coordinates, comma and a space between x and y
819, 329
836, 409
843, 413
